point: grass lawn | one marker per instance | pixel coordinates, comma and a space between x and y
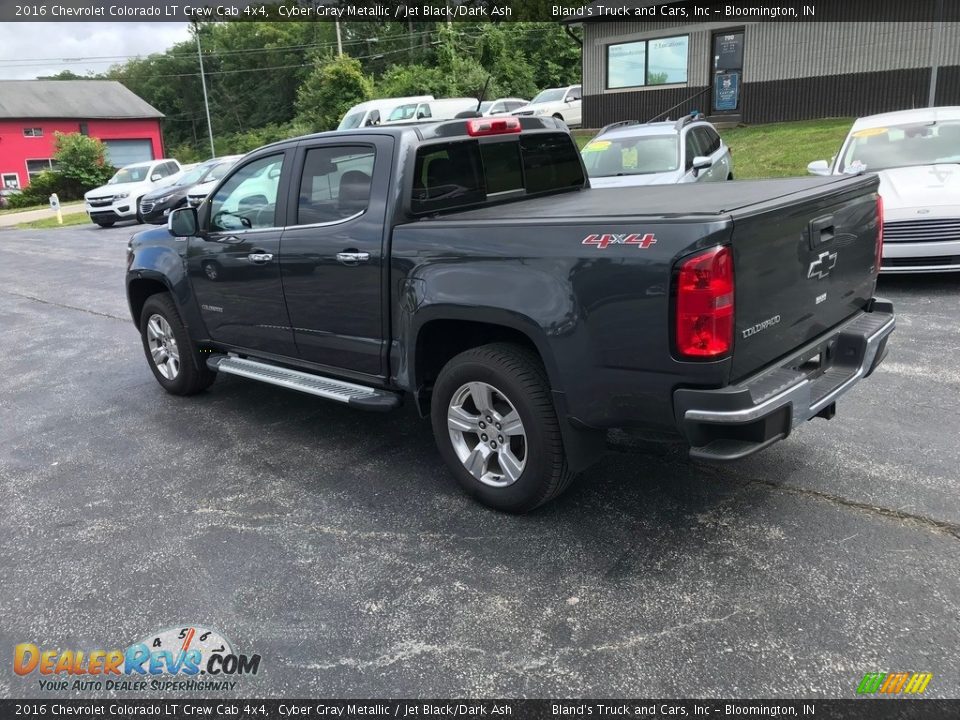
775, 150
46, 223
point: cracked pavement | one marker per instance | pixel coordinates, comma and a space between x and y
333, 543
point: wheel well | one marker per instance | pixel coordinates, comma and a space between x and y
558, 116
138, 291
440, 340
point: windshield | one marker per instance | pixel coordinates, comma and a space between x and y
129, 175
192, 177
218, 171
351, 121
901, 146
549, 96
632, 156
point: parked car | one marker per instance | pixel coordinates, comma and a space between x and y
199, 191
562, 103
6, 194
431, 110
660, 153
156, 205
468, 268
501, 106
120, 198
916, 154
372, 112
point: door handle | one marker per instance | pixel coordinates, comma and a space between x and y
259, 257
352, 257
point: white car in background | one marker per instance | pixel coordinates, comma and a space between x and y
119, 199
430, 110
501, 106
916, 154
372, 112
630, 153
562, 103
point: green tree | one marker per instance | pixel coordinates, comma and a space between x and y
81, 159
330, 90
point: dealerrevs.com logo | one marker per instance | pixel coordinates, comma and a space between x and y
177, 659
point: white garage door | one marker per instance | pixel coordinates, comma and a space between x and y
127, 152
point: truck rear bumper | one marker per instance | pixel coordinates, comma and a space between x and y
733, 422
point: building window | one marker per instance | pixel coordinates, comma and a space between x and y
33, 132
11, 181
661, 61
35, 167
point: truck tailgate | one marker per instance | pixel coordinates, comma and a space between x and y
803, 263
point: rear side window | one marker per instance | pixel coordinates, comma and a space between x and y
468, 172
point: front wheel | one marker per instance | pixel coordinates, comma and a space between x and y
497, 429
104, 223
139, 214
171, 353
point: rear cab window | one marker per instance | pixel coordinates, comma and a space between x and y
468, 172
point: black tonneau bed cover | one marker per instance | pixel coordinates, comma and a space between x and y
659, 200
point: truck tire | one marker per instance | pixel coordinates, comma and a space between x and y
171, 354
497, 429
104, 223
139, 215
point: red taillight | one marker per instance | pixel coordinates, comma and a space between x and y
705, 305
879, 258
493, 126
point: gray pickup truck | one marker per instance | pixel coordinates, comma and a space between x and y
468, 266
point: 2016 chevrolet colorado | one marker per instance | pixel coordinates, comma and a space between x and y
468, 266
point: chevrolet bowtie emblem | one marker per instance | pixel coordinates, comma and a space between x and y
822, 266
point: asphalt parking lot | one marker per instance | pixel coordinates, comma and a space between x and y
333, 543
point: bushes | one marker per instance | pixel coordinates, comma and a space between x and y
80, 166
42, 186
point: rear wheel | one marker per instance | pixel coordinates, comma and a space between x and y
729, 176
171, 353
497, 429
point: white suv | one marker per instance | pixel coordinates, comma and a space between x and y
562, 103
119, 199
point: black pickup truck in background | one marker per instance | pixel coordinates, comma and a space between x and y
469, 267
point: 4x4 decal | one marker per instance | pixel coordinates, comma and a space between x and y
602, 242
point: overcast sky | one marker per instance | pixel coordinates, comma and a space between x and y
20, 43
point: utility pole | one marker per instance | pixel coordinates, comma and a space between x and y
339, 39
935, 54
203, 81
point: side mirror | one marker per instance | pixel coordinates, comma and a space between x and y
701, 162
182, 222
421, 115
819, 167
155, 177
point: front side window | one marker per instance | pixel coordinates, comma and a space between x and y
403, 112
335, 183
423, 112
248, 199
573, 95
692, 150
647, 62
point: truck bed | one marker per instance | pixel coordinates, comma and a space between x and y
660, 200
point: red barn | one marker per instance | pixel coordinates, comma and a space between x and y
31, 111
